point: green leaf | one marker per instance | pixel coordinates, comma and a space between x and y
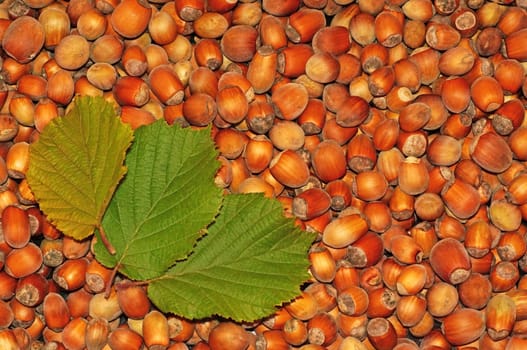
164, 203
76, 164
252, 260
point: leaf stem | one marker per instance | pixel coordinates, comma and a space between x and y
108, 288
127, 284
105, 241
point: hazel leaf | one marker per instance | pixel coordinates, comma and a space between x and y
76, 164
252, 260
164, 203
